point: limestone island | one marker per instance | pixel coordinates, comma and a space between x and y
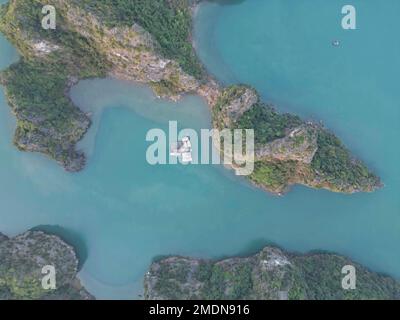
271, 274
151, 42
268, 275
22, 259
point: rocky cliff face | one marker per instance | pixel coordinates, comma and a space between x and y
239, 105
84, 45
289, 150
231, 103
131, 54
91, 43
300, 144
271, 274
22, 259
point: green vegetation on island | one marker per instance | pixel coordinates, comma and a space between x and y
170, 23
92, 39
274, 176
150, 42
271, 274
289, 150
337, 165
268, 124
22, 259
36, 86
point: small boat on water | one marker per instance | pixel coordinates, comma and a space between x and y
336, 43
182, 150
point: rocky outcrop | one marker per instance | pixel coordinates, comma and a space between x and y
91, 43
271, 274
233, 278
231, 104
22, 259
45, 139
300, 144
132, 55
43, 48
86, 46
235, 109
289, 150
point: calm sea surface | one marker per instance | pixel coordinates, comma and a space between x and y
121, 212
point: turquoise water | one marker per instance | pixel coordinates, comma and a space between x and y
125, 212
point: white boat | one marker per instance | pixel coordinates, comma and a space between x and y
183, 150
